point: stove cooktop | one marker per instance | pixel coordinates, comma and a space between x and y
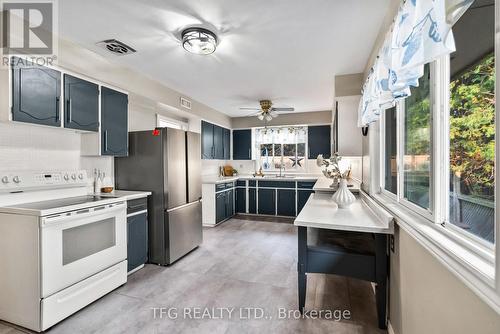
62, 202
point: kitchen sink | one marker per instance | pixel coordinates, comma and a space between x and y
279, 176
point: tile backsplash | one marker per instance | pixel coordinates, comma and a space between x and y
37, 148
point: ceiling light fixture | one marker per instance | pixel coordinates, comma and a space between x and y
199, 41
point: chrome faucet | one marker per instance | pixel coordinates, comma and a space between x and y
282, 167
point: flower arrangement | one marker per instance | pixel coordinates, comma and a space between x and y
340, 172
331, 167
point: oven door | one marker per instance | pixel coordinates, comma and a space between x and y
79, 244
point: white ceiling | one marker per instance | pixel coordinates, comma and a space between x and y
284, 50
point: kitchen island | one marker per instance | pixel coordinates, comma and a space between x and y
349, 242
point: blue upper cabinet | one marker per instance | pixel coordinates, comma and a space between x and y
114, 122
81, 104
215, 141
36, 93
242, 144
319, 140
218, 142
227, 144
207, 140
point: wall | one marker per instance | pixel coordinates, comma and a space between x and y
310, 118
348, 84
425, 297
349, 135
384, 28
37, 148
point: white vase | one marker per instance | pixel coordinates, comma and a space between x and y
343, 196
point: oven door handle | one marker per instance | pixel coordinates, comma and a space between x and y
82, 213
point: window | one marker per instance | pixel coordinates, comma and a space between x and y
390, 146
417, 143
281, 146
443, 138
407, 128
472, 123
165, 122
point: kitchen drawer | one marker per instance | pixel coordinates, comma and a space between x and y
305, 184
137, 205
220, 186
241, 183
252, 183
277, 184
70, 300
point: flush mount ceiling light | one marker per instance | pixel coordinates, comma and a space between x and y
199, 41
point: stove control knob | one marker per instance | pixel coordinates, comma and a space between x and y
80, 176
16, 179
66, 177
5, 179
73, 176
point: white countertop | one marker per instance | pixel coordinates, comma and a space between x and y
321, 211
125, 194
267, 177
323, 185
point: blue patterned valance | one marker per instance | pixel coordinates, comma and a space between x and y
420, 33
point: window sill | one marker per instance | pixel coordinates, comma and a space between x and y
475, 268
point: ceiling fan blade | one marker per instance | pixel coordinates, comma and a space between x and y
248, 108
252, 114
283, 109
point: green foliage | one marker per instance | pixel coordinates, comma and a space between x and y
472, 128
417, 118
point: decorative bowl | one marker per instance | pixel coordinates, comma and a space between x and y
107, 190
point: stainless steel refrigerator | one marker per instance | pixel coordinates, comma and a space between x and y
166, 162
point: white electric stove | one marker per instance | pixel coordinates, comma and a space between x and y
60, 248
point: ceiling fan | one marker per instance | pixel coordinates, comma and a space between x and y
267, 111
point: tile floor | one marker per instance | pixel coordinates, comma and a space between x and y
241, 263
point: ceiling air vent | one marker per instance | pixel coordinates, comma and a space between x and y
116, 47
185, 103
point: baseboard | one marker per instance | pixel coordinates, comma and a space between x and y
390, 330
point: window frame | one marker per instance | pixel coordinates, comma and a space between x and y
382, 189
429, 214
181, 125
438, 213
294, 169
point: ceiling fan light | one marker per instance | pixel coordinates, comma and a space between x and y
269, 117
199, 41
274, 114
260, 117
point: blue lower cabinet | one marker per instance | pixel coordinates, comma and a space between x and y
267, 201
302, 197
220, 207
137, 240
241, 200
252, 200
229, 203
286, 202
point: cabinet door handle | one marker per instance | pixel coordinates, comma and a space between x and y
249, 153
57, 109
105, 140
69, 110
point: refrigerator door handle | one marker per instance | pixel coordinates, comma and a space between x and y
183, 206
